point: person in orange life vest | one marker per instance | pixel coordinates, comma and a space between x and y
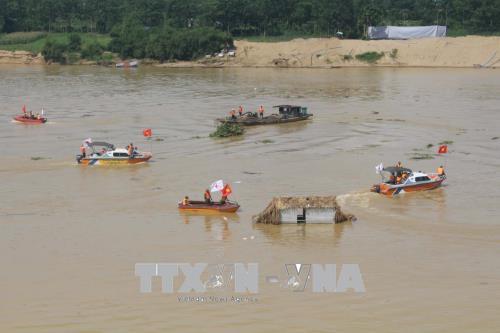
240, 110
233, 114
207, 196
82, 151
261, 111
440, 171
185, 201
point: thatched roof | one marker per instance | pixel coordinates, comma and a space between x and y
272, 212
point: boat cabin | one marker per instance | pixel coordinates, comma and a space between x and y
291, 110
418, 177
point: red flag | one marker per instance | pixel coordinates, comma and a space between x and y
147, 132
226, 191
24, 108
443, 149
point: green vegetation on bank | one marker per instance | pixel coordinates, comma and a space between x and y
18, 41
130, 39
370, 57
187, 29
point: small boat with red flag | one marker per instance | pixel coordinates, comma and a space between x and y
30, 118
396, 180
222, 206
202, 206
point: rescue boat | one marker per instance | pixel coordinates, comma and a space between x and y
27, 120
410, 181
109, 155
202, 206
286, 114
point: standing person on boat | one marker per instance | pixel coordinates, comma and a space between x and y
207, 196
82, 151
240, 110
399, 164
233, 114
185, 201
440, 171
130, 150
261, 111
226, 191
24, 112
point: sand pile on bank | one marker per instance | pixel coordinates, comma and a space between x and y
20, 57
331, 52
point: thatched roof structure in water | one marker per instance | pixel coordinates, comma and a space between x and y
272, 213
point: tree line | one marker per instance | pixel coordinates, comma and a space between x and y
249, 17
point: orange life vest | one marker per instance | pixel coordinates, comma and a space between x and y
82, 149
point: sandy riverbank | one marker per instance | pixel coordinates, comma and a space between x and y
20, 58
331, 52
469, 51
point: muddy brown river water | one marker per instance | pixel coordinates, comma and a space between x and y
71, 236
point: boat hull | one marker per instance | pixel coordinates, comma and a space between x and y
29, 121
90, 161
269, 120
200, 206
388, 189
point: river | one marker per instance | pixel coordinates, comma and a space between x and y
71, 236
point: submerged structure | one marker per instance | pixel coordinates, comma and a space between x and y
313, 209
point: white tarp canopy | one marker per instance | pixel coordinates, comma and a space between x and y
393, 32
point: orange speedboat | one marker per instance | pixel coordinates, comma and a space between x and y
109, 155
409, 181
30, 120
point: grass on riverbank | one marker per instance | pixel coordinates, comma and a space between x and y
34, 41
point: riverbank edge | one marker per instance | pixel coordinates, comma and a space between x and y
331, 53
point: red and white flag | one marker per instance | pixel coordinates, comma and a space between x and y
217, 186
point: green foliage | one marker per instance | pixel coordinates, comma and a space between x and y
167, 43
92, 51
225, 130
75, 43
370, 57
54, 51
21, 37
250, 17
36, 45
